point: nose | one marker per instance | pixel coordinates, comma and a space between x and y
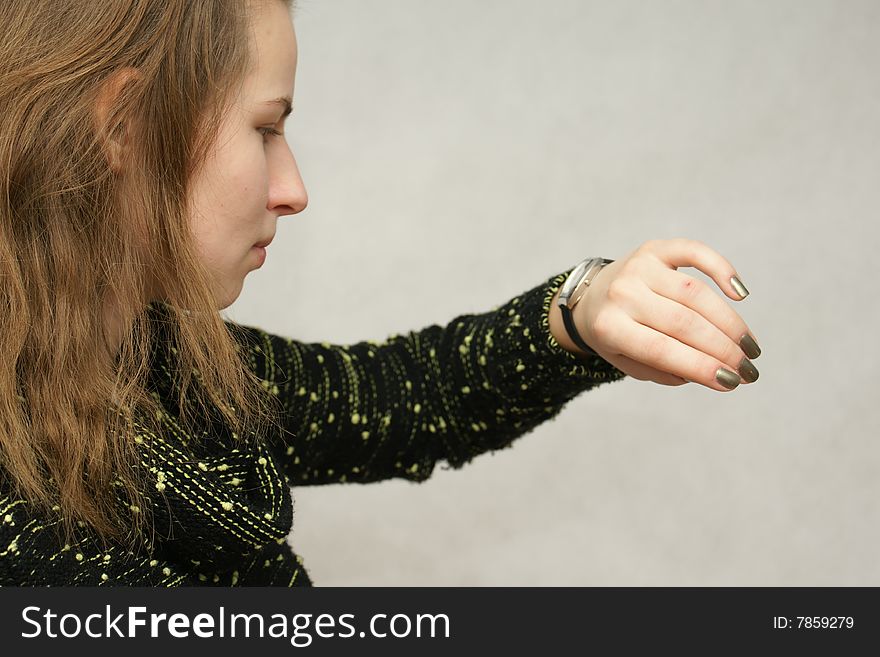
287, 193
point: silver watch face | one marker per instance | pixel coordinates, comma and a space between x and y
571, 283
567, 295
577, 296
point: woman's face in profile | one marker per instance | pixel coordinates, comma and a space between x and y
251, 178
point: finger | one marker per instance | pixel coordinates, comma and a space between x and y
644, 372
685, 252
690, 328
658, 350
722, 333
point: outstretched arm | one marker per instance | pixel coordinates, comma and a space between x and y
372, 411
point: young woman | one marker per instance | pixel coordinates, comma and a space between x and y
144, 440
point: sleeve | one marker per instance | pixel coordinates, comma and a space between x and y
371, 411
31, 554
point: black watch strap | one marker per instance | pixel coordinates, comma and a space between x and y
572, 331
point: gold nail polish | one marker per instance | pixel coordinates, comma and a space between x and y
748, 371
739, 287
749, 346
728, 379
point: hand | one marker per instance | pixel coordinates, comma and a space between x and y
655, 323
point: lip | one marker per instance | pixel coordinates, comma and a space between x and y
264, 243
261, 254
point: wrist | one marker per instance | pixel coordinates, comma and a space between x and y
557, 325
570, 303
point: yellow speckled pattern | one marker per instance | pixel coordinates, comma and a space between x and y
353, 413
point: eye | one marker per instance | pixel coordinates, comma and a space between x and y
269, 131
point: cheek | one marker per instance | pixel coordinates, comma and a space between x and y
240, 164
248, 180
215, 227
229, 199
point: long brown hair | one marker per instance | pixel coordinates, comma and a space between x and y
76, 238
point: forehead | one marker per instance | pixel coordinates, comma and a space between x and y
273, 47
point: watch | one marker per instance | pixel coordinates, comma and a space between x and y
573, 290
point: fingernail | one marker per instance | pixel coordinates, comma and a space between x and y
748, 371
728, 379
739, 287
749, 346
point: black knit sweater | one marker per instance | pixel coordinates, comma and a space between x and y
353, 413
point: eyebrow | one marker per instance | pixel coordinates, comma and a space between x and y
285, 101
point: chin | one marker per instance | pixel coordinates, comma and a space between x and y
227, 298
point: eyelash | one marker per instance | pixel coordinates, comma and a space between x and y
269, 131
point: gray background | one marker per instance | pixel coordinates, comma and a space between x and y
457, 153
